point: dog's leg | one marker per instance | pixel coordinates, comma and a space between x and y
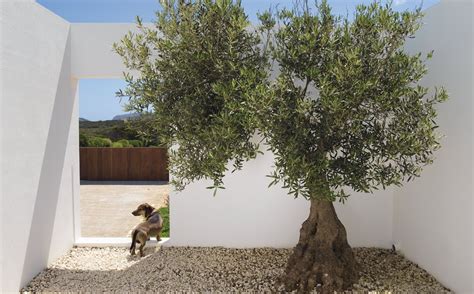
134, 239
141, 248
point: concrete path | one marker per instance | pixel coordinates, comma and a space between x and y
106, 207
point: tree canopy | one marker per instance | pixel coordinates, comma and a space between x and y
197, 64
346, 108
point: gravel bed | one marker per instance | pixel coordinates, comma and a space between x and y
213, 270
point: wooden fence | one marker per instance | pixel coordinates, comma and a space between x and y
124, 164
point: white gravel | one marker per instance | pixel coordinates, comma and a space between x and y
212, 269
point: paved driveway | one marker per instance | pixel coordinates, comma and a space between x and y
106, 206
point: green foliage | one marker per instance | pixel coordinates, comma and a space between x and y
83, 140
99, 142
116, 130
345, 110
165, 214
144, 128
117, 145
196, 67
135, 143
113, 129
125, 143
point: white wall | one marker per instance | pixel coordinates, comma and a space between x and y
92, 51
43, 56
248, 214
37, 112
434, 223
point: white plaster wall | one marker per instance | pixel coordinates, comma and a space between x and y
248, 214
2, 260
92, 51
37, 113
434, 215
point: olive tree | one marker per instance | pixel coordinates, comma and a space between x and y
345, 110
191, 74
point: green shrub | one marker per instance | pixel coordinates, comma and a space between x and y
107, 142
99, 142
165, 214
83, 140
117, 145
136, 143
125, 143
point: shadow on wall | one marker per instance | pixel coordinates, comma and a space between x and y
44, 213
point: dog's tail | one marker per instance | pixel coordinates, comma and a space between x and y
134, 239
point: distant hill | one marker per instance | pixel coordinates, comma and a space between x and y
126, 116
83, 119
112, 129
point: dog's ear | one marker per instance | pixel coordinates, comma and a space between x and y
149, 208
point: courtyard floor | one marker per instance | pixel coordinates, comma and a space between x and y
188, 269
106, 207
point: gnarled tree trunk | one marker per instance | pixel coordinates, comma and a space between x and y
322, 260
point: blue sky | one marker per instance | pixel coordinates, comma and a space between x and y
97, 99
97, 96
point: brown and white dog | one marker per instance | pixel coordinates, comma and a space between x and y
150, 227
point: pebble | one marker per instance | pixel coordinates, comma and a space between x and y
216, 269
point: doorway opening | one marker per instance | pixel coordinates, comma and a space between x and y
119, 168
